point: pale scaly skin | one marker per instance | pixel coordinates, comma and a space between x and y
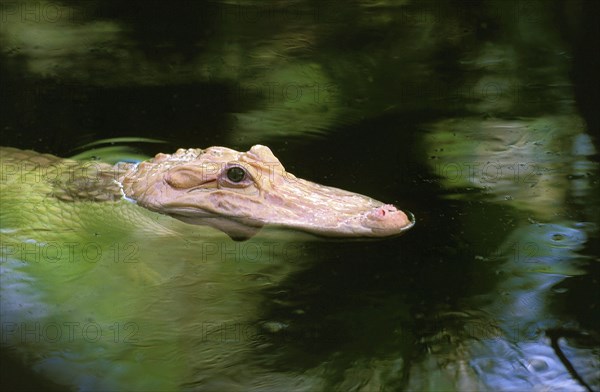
41, 193
235, 192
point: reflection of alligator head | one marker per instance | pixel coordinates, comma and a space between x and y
239, 192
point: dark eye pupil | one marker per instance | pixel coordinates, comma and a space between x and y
236, 174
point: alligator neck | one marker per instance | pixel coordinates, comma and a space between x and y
92, 181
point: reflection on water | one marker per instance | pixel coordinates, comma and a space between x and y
537, 258
466, 116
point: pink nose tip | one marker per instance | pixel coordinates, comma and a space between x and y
388, 217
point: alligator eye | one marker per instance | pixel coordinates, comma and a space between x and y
236, 174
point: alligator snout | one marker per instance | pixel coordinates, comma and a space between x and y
388, 218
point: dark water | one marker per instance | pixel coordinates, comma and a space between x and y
480, 120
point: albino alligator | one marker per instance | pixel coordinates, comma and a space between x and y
77, 250
235, 192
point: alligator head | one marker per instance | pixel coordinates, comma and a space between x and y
240, 192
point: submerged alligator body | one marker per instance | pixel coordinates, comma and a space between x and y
91, 247
235, 192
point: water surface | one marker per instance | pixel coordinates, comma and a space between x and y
472, 119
